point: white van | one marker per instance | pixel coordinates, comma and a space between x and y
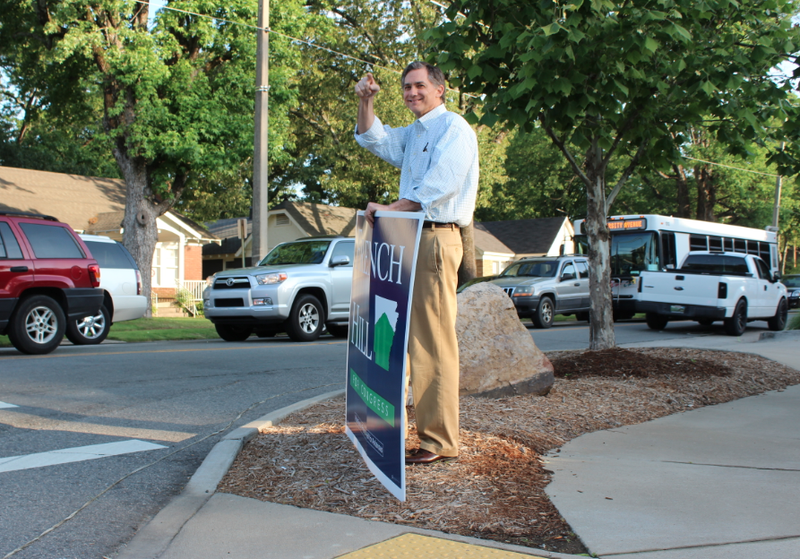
122, 286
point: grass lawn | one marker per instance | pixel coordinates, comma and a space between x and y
155, 329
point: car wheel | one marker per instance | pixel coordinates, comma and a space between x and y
735, 325
543, 317
306, 320
778, 322
656, 321
90, 330
583, 317
705, 322
337, 330
233, 332
37, 326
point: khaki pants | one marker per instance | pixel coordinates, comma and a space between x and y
432, 342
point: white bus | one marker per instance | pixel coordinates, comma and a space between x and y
657, 242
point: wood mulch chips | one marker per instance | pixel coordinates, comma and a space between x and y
495, 490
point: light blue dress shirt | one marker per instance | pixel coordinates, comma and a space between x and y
438, 160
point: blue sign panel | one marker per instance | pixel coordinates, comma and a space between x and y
380, 306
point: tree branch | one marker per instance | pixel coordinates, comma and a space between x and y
627, 173
560, 145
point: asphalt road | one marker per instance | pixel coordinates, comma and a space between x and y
180, 395
177, 399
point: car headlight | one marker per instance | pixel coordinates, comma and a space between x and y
524, 291
268, 279
794, 294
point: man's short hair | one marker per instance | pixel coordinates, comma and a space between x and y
435, 75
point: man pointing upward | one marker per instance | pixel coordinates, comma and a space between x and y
438, 160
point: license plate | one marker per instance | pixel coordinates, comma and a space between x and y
677, 309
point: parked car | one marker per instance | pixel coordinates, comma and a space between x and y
301, 287
733, 287
122, 292
792, 283
47, 279
545, 286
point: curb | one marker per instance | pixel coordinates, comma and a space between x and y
154, 538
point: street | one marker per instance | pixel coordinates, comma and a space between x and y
158, 409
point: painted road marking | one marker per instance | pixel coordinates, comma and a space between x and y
25, 421
5, 405
77, 454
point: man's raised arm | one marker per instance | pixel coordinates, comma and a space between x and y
366, 89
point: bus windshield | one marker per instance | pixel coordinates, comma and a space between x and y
631, 253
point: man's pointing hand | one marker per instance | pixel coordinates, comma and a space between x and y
367, 87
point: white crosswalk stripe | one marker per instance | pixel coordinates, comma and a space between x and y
76, 454
5, 405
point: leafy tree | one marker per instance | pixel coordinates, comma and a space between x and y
176, 97
620, 79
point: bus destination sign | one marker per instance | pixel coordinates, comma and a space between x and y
627, 224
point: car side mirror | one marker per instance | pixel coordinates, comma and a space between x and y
343, 260
567, 277
776, 277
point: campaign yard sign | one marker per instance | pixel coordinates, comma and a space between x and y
380, 305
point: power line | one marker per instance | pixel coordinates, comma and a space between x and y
295, 39
730, 167
272, 31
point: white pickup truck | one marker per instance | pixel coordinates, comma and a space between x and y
709, 286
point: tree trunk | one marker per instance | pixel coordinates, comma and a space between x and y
706, 193
601, 326
468, 268
682, 192
140, 233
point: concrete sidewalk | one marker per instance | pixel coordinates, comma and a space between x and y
721, 481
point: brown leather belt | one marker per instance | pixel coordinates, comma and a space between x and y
437, 225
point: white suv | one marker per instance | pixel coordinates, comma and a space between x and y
122, 291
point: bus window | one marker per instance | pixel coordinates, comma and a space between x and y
739, 245
698, 242
728, 245
715, 244
581, 244
752, 248
763, 251
668, 255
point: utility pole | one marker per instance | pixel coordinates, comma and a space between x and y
258, 243
777, 208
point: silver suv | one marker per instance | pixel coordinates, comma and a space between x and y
545, 286
301, 287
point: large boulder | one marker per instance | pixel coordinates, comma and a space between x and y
497, 353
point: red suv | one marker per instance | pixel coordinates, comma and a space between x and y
47, 276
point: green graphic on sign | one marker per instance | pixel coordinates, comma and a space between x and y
383, 337
384, 409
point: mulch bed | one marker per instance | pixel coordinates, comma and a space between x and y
495, 490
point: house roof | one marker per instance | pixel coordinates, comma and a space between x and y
313, 219
487, 242
91, 204
319, 219
73, 199
111, 222
525, 236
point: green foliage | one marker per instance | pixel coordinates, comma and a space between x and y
175, 97
617, 75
